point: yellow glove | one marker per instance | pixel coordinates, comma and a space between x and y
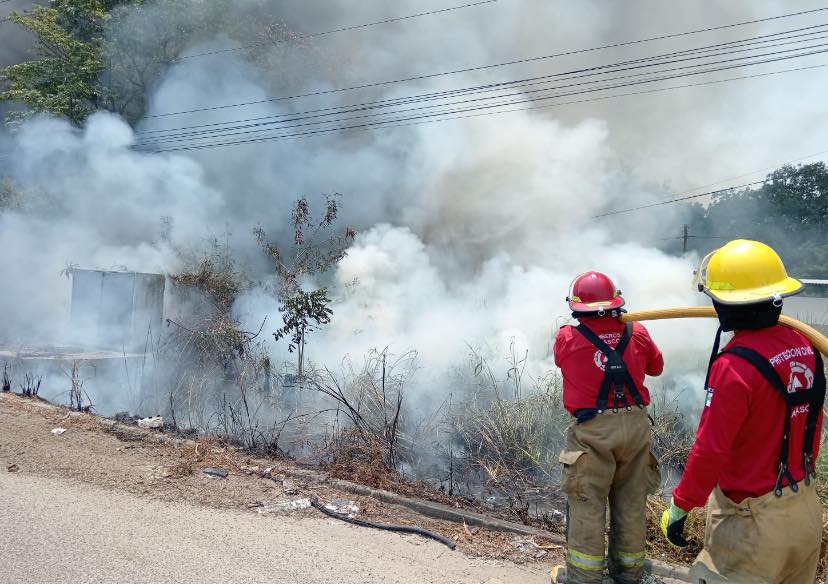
672, 525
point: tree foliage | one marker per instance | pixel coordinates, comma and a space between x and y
302, 313
313, 251
63, 79
789, 213
93, 55
9, 197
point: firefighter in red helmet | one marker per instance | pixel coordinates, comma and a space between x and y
607, 456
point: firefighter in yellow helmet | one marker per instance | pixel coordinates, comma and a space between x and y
759, 434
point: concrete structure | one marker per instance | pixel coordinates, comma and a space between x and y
813, 308
117, 311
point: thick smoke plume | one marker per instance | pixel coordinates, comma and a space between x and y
469, 231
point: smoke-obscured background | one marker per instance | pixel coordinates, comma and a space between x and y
469, 231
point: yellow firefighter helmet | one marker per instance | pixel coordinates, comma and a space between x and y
745, 272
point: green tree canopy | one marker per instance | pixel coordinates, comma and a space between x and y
63, 79
93, 55
789, 213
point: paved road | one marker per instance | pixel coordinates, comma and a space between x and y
67, 532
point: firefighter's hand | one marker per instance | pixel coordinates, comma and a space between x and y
672, 525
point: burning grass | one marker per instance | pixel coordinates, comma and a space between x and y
515, 442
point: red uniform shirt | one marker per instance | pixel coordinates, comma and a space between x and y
739, 439
582, 364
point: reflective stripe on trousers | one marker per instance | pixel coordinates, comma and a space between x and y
630, 560
585, 561
607, 462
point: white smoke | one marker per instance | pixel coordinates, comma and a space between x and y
470, 230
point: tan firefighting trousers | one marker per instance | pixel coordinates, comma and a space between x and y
608, 459
767, 539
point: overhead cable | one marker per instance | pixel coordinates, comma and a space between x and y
532, 81
483, 107
263, 126
336, 30
433, 118
718, 191
495, 65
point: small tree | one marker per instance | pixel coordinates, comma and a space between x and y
303, 313
313, 251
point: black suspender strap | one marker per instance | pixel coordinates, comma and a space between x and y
713, 354
792, 399
616, 375
814, 410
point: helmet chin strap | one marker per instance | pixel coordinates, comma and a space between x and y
713, 354
614, 313
748, 316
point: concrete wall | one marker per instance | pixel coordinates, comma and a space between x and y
810, 310
118, 311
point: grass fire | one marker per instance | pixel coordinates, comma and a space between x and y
488, 275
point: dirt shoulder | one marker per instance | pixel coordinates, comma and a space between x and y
124, 461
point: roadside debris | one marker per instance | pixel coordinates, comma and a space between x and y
523, 543
153, 423
58, 431
125, 418
343, 506
387, 527
286, 506
218, 473
290, 487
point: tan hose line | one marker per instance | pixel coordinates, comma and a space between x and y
819, 340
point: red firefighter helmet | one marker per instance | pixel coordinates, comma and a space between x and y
594, 292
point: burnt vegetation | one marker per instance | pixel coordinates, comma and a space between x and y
6, 383
31, 385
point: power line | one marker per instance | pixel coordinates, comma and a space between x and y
699, 195
441, 115
764, 169
227, 131
418, 120
495, 65
789, 162
337, 30
501, 86
680, 199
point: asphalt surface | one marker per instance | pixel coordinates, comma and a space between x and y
61, 531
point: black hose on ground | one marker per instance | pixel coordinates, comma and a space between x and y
386, 527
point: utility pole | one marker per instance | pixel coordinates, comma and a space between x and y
685, 234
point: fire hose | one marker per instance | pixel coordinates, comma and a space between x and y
819, 340
396, 528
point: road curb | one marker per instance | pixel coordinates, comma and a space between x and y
441, 511
426, 508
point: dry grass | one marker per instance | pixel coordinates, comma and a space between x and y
515, 442
203, 453
658, 547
